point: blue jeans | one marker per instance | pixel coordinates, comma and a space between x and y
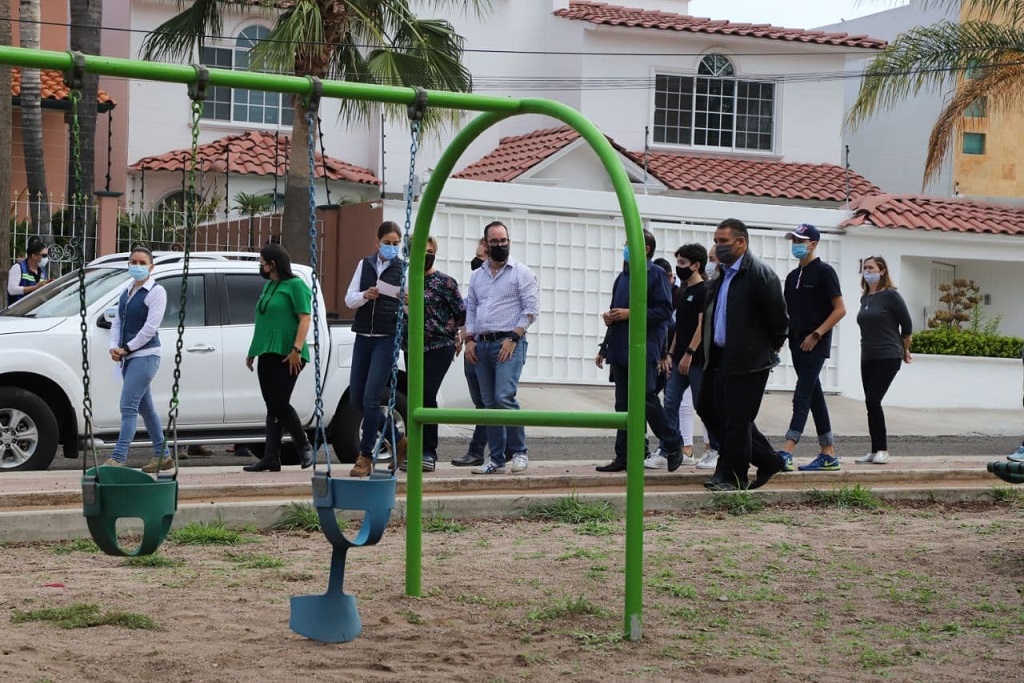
675, 387
136, 399
372, 360
498, 385
808, 397
478, 444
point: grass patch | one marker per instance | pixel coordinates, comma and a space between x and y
572, 510
413, 618
569, 607
1006, 494
583, 554
439, 524
156, 560
77, 545
84, 615
595, 528
846, 497
207, 533
737, 502
299, 517
256, 561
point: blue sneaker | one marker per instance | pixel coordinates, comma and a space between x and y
787, 458
1017, 455
823, 463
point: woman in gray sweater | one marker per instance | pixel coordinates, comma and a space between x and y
885, 335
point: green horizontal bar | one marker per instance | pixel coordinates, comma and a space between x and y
529, 418
254, 80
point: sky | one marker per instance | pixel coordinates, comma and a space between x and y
788, 13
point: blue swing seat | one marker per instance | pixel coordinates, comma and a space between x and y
115, 493
1012, 472
333, 616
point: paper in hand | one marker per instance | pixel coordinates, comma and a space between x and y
386, 289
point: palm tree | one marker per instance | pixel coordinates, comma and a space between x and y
32, 124
86, 17
367, 41
5, 159
982, 56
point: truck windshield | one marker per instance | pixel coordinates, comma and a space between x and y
59, 299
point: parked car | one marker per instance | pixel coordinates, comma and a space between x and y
41, 378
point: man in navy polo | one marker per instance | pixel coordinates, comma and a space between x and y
815, 305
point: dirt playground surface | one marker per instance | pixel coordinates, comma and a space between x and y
905, 593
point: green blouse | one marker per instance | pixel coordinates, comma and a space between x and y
277, 320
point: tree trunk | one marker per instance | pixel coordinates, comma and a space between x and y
32, 125
295, 222
6, 111
86, 17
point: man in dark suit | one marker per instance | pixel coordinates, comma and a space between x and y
745, 326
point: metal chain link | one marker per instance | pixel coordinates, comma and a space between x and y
89, 442
320, 436
191, 210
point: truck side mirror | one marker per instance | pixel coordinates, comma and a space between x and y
106, 321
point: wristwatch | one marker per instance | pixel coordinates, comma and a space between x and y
515, 337
689, 352
297, 350
126, 350
817, 337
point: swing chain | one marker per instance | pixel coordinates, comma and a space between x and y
320, 436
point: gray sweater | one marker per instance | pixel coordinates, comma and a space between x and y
884, 320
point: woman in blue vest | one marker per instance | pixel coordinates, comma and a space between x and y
373, 294
30, 272
135, 344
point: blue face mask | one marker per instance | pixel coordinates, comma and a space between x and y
799, 250
138, 273
625, 253
389, 251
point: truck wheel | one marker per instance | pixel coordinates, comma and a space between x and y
28, 431
345, 429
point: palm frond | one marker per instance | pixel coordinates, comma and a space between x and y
1007, 12
296, 45
931, 56
177, 38
1003, 89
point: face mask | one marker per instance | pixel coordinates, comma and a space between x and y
138, 273
499, 254
725, 255
799, 250
476, 263
43, 262
872, 278
428, 262
264, 274
683, 273
625, 253
389, 251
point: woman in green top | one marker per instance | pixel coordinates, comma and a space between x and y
279, 342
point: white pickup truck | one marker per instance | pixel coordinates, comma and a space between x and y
41, 387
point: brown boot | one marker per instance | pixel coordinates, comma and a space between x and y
400, 452
363, 466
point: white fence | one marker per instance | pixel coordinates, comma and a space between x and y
61, 237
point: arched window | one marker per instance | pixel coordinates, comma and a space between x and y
714, 108
243, 106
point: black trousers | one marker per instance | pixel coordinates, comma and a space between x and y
435, 366
877, 376
655, 411
728, 404
276, 385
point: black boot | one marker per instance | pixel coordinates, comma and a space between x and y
271, 460
615, 465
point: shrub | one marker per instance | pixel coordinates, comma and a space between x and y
954, 342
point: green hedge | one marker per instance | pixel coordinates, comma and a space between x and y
945, 342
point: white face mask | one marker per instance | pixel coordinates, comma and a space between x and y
43, 262
712, 270
872, 278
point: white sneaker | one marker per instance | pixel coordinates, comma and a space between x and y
688, 460
489, 468
881, 457
1017, 455
870, 457
656, 461
520, 461
709, 461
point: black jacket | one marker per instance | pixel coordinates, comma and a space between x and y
379, 316
757, 320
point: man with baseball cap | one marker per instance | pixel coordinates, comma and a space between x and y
815, 305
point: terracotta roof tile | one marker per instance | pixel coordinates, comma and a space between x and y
53, 87
614, 15
253, 153
683, 172
935, 213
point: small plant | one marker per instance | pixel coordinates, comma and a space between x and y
84, 615
413, 618
959, 298
583, 554
438, 524
157, 560
737, 502
298, 517
256, 561
1005, 494
206, 533
569, 607
572, 510
847, 497
595, 528
77, 545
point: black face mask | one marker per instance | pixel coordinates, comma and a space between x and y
499, 254
683, 274
264, 274
476, 263
428, 262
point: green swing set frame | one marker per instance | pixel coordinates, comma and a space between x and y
494, 109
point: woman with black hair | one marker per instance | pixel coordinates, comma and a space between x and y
30, 273
279, 343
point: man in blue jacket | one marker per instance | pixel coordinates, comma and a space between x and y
615, 350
